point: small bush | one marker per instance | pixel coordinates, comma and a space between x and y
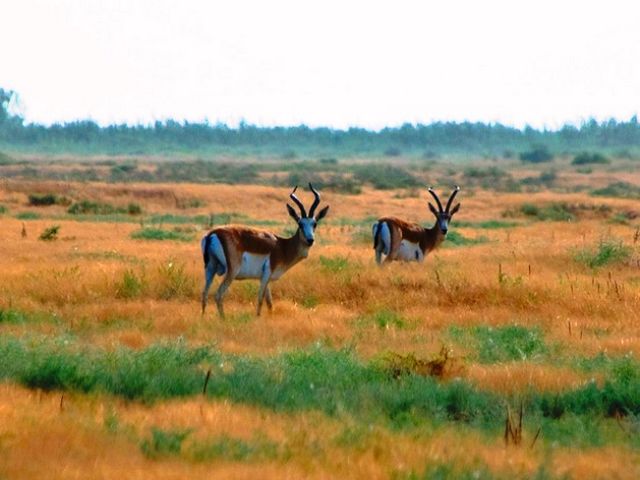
50, 233
134, 209
538, 154
174, 281
502, 344
163, 443
392, 152
87, 207
234, 449
3, 210
160, 234
42, 200
130, 286
28, 216
619, 190
456, 239
586, 158
334, 264
552, 212
605, 253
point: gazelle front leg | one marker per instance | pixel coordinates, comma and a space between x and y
264, 288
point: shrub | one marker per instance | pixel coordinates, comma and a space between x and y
606, 252
458, 240
3, 209
163, 442
130, 286
86, 207
134, 209
50, 233
538, 154
392, 152
40, 200
502, 344
553, 211
160, 234
28, 215
586, 158
619, 190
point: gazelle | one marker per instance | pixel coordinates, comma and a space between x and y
239, 252
400, 240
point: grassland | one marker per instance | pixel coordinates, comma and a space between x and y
108, 370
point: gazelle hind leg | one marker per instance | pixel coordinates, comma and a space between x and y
222, 290
209, 275
267, 296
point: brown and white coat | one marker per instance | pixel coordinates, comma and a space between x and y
239, 252
410, 242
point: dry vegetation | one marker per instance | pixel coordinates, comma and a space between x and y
514, 308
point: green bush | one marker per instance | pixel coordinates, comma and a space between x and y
502, 344
586, 158
87, 207
28, 215
40, 200
163, 443
456, 239
151, 233
619, 190
50, 233
555, 211
605, 253
538, 154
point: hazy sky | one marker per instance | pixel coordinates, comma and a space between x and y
333, 63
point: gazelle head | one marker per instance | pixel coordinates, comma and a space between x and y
444, 215
307, 223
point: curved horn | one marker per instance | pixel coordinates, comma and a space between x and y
298, 202
436, 198
453, 195
316, 201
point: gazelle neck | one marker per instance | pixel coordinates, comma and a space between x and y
433, 237
295, 248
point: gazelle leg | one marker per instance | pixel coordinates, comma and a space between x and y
268, 297
264, 286
222, 290
379, 254
209, 274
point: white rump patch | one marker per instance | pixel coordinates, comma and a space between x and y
385, 236
253, 265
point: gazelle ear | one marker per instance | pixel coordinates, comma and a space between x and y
322, 213
454, 209
293, 213
433, 209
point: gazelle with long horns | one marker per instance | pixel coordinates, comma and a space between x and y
410, 242
239, 252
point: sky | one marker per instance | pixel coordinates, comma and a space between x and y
330, 63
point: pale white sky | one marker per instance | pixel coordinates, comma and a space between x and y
331, 63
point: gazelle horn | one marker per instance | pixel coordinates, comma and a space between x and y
436, 198
298, 202
316, 201
453, 195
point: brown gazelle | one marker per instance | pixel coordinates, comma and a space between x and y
410, 242
239, 252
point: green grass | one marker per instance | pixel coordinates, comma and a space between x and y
234, 449
3, 209
331, 381
618, 190
606, 252
383, 319
28, 215
455, 239
158, 234
502, 344
487, 224
555, 212
163, 443
334, 264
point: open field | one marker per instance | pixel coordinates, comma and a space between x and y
534, 297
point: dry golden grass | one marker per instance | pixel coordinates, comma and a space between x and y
73, 285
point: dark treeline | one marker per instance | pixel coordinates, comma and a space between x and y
436, 138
